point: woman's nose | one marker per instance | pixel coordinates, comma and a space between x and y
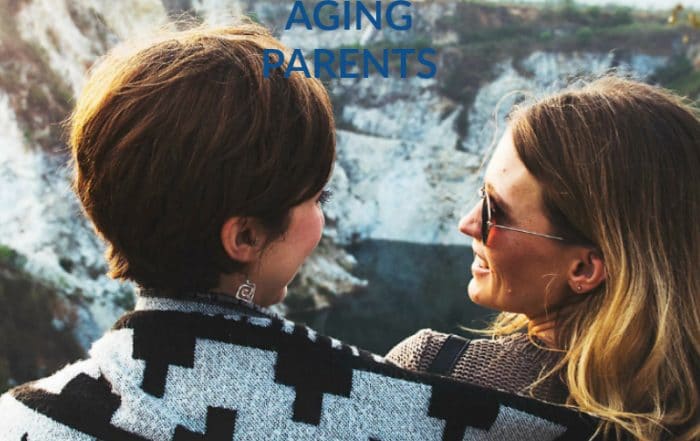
470, 224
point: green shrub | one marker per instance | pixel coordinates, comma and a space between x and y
12, 258
621, 16
584, 34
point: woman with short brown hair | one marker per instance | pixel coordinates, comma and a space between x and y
173, 137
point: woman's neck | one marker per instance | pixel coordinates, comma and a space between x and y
544, 329
545, 325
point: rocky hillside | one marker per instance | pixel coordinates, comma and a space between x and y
409, 150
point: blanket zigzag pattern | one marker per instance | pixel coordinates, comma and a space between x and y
185, 375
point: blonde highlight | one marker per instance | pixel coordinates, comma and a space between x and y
617, 161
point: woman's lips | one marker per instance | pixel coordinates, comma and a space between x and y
479, 266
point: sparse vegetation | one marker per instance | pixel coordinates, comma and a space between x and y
496, 33
680, 76
31, 345
41, 97
11, 258
124, 299
300, 301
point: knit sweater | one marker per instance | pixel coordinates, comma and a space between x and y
510, 364
209, 369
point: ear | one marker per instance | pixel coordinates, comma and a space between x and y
241, 238
587, 271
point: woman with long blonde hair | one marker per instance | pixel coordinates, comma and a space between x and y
587, 238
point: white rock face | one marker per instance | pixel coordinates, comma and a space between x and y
400, 190
40, 215
128, 18
218, 12
20, 179
544, 72
40, 219
402, 177
49, 25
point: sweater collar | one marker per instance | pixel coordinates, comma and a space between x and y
205, 302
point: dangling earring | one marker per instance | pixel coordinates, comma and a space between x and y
246, 291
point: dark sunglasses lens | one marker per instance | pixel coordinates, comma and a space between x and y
485, 226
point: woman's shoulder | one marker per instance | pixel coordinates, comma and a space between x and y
417, 351
509, 363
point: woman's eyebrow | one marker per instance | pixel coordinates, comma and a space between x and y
496, 198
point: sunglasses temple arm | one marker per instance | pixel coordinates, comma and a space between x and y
526, 232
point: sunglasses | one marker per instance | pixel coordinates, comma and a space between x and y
487, 220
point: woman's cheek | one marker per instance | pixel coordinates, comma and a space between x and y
316, 230
322, 222
500, 278
322, 217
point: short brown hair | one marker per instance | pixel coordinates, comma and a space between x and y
172, 137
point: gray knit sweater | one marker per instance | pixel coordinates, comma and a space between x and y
509, 363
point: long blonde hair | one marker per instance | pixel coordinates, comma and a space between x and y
619, 163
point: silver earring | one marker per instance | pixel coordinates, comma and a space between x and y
246, 291
578, 288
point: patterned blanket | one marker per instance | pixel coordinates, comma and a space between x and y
203, 370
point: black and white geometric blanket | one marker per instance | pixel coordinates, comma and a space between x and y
195, 370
